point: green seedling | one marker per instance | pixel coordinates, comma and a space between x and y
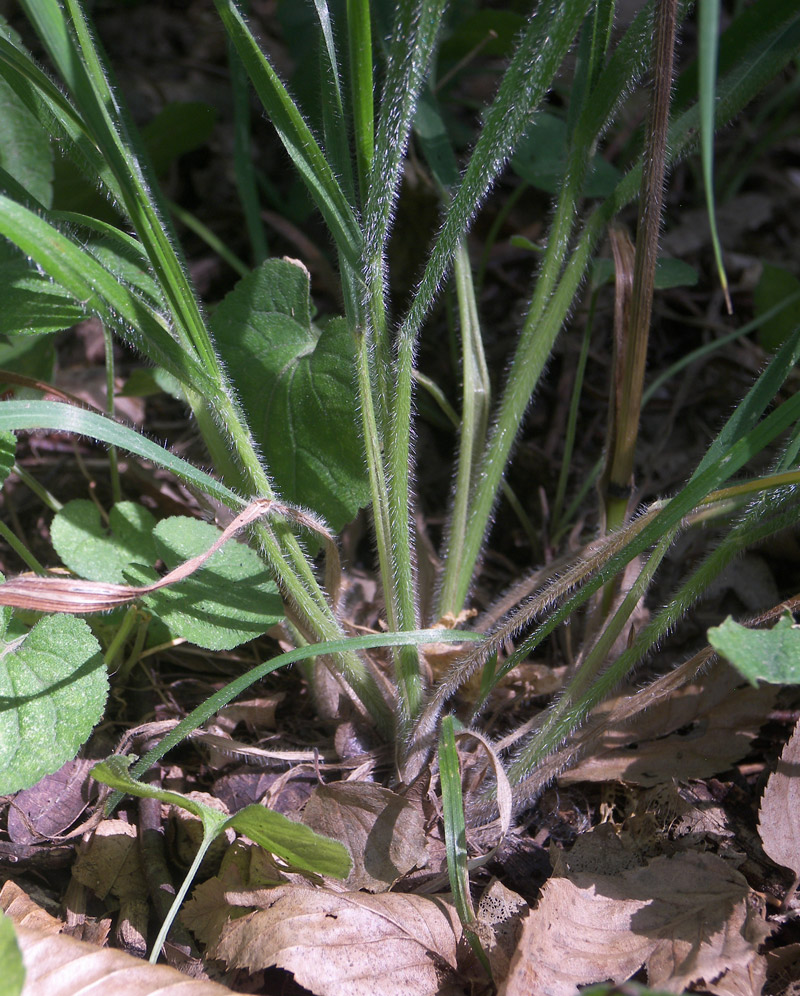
300, 847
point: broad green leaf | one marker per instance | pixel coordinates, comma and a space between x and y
771, 655
179, 127
12, 969
8, 451
297, 386
25, 146
53, 688
774, 286
541, 159
32, 303
294, 842
98, 552
229, 600
31, 356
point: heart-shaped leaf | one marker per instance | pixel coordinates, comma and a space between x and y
297, 385
229, 600
53, 687
97, 552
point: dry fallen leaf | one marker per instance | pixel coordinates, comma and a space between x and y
779, 816
57, 965
384, 832
245, 866
685, 918
24, 911
346, 944
52, 805
111, 862
499, 915
701, 729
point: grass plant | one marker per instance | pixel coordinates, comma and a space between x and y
355, 375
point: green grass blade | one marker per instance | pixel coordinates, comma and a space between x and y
359, 38
455, 828
410, 50
243, 165
748, 59
669, 517
708, 29
335, 118
98, 290
295, 135
766, 517
55, 113
591, 55
235, 688
55, 416
116, 138
530, 74
473, 425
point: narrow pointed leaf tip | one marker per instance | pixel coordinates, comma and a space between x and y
298, 845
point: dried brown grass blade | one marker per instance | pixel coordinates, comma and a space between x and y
77, 597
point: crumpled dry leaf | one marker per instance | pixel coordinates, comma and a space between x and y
701, 729
245, 866
686, 918
57, 965
112, 863
384, 832
346, 944
19, 907
779, 815
499, 915
51, 805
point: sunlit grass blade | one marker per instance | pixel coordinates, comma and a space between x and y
527, 79
408, 60
113, 132
229, 692
765, 517
295, 135
243, 165
748, 59
336, 116
472, 429
55, 416
98, 290
646, 532
55, 113
455, 828
538, 57
455, 835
